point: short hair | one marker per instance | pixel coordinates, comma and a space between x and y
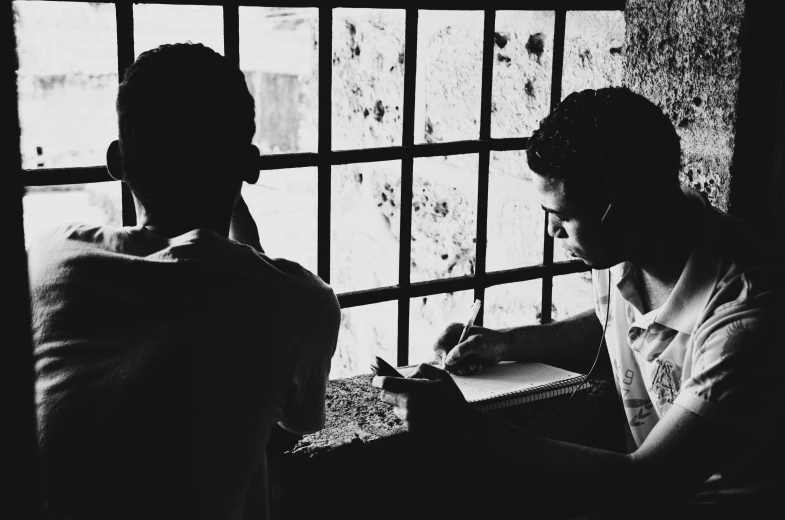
611, 133
181, 108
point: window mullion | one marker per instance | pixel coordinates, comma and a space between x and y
556, 79
124, 15
232, 33
481, 244
407, 180
325, 142
458, 283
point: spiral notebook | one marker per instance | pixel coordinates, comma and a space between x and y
510, 383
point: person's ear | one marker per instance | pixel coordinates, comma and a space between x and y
250, 164
113, 161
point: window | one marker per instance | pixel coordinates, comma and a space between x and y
392, 154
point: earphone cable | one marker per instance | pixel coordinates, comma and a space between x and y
602, 338
561, 409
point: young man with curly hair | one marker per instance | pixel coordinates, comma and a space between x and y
167, 354
687, 297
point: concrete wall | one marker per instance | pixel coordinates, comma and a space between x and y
716, 68
685, 55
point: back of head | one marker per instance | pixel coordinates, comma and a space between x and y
184, 112
607, 139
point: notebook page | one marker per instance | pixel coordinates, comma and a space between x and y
509, 378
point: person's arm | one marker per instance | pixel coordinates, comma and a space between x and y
570, 344
684, 449
305, 410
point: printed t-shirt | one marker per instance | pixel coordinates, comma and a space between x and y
711, 348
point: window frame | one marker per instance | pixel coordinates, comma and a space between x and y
325, 158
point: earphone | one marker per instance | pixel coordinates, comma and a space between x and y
602, 160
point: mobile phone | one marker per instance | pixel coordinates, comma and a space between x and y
381, 368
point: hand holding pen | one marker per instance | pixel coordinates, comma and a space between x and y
467, 348
453, 336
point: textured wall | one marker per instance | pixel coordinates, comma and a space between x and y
685, 56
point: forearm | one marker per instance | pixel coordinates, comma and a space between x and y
570, 344
590, 478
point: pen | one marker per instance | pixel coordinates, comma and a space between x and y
475, 309
470, 321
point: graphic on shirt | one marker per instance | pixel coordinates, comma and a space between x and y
651, 341
633, 334
666, 382
638, 417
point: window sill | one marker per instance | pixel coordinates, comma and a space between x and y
355, 415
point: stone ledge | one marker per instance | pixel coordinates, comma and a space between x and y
354, 415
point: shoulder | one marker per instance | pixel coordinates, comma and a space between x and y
287, 281
748, 288
300, 280
53, 243
745, 261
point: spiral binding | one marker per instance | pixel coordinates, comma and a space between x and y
533, 394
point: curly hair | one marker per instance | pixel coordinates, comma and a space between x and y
611, 138
182, 108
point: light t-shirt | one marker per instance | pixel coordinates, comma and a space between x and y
711, 348
163, 364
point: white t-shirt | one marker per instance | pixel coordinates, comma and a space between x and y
711, 348
163, 364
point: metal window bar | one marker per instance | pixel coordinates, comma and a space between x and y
325, 125
124, 13
481, 243
407, 181
325, 158
556, 77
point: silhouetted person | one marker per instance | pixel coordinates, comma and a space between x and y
167, 352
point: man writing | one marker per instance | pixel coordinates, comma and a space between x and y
686, 297
168, 353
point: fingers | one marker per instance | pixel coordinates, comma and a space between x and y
471, 346
448, 338
465, 367
425, 371
399, 385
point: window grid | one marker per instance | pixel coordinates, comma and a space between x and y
325, 158
489, 26
124, 13
556, 79
407, 182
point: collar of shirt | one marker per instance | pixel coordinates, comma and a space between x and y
694, 287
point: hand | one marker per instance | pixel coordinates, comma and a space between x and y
242, 227
428, 402
481, 348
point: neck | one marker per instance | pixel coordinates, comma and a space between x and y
182, 220
664, 245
